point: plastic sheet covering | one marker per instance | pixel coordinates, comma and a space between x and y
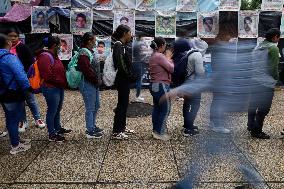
186, 24
103, 23
145, 4
166, 5
124, 4
186, 5
208, 5
267, 20
145, 23
82, 3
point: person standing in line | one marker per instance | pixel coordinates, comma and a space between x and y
161, 67
13, 86
124, 77
25, 55
89, 86
266, 77
52, 72
194, 69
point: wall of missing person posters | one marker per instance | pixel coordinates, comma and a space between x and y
69, 19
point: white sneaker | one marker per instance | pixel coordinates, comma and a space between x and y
222, 130
119, 136
163, 137
20, 148
139, 99
129, 131
25, 141
22, 126
40, 124
3, 134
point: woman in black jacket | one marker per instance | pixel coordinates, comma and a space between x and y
125, 76
26, 57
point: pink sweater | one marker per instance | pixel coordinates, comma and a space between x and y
160, 68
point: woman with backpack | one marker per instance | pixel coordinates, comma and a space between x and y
26, 57
161, 67
89, 85
52, 72
124, 77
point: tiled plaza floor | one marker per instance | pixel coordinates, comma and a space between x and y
142, 162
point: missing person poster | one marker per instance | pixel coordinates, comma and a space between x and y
102, 49
186, 5
165, 25
60, 3
272, 5
103, 5
229, 5
248, 24
143, 5
39, 19
207, 24
81, 21
66, 46
124, 17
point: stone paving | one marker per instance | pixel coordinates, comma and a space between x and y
142, 162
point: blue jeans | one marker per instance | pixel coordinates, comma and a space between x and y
190, 109
91, 99
13, 113
161, 110
54, 99
140, 77
33, 105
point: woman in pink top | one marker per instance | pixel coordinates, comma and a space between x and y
161, 67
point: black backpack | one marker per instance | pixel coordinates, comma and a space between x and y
180, 70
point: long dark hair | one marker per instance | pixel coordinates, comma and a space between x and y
120, 31
87, 37
14, 29
157, 43
50, 41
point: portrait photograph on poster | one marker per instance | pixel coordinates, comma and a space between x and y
103, 5
39, 19
248, 24
186, 23
81, 21
60, 3
102, 49
230, 5
145, 5
66, 46
125, 18
186, 5
207, 24
165, 25
272, 5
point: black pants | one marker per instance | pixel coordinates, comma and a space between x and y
259, 106
123, 88
190, 109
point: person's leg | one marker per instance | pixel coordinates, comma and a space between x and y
52, 98
155, 113
97, 106
57, 124
121, 109
164, 109
88, 94
139, 81
251, 114
264, 108
33, 105
13, 116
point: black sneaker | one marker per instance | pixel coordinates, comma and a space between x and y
190, 132
63, 131
93, 135
98, 130
282, 132
56, 138
260, 135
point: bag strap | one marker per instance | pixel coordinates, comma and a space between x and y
50, 56
90, 54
